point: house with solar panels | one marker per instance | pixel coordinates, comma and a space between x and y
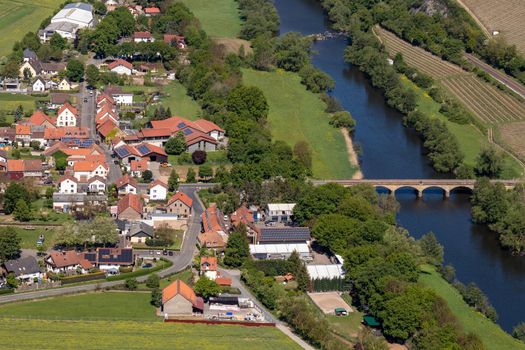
128, 153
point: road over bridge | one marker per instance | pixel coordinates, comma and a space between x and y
419, 185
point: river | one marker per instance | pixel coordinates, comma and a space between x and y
391, 151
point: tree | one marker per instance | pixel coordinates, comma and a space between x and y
100, 8
298, 269
292, 51
315, 79
75, 70
153, 281
248, 102
57, 42
176, 144
9, 244
190, 175
19, 113
173, 181
303, 153
198, 157
92, 75
368, 341
22, 211
156, 297
343, 119
13, 193
518, 331
131, 284
205, 171
431, 248
12, 281
238, 248
147, 176
489, 163
206, 288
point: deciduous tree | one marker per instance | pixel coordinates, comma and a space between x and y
206, 288
9, 244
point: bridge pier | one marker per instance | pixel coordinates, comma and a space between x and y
447, 193
419, 193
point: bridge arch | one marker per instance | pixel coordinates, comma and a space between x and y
462, 189
415, 189
443, 190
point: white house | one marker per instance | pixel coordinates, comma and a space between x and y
126, 184
158, 191
121, 67
67, 115
280, 212
88, 169
66, 261
39, 85
143, 37
208, 267
96, 185
64, 85
68, 184
123, 98
25, 269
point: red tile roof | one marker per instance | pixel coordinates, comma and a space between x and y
179, 288
139, 165
67, 177
88, 165
120, 62
208, 263
206, 126
157, 182
66, 131
223, 281
242, 215
183, 197
211, 239
39, 118
168, 38
126, 180
68, 258
107, 127
152, 10
130, 200
67, 106
142, 35
105, 97
211, 220
22, 129
24, 165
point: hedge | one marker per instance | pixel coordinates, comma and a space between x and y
141, 272
6, 291
83, 278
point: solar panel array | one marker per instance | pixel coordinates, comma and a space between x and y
284, 234
122, 152
181, 125
187, 132
143, 149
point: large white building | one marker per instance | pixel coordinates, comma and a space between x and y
69, 20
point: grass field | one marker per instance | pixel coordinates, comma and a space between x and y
9, 102
130, 306
22, 16
489, 104
106, 335
29, 237
490, 333
219, 18
179, 102
505, 16
119, 320
471, 140
297, 114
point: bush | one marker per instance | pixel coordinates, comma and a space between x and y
125, 269
153, 281
153, 242
198, 157
82, 278
343, 120
131, 284
272, 267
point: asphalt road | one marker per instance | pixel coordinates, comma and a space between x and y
181, 260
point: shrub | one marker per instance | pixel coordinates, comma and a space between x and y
131, 284
198, 157
81, 278
125, 269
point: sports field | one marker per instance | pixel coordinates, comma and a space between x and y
17, 17
219, 18
490, 333
119, 320
298, 115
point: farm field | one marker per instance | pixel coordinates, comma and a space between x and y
298, 115
490, 333
22, 16
471, 140
505, 16
219, 18
9, 102
110, 335
491, 105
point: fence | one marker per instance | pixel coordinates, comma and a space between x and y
238, 323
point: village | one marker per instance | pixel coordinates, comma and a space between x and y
82, 145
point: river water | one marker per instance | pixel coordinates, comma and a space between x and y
391, 151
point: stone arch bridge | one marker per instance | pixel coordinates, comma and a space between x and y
419, 185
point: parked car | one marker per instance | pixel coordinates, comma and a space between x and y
165, 252
170, 253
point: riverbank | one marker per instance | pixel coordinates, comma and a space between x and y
493, 337
352, 154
